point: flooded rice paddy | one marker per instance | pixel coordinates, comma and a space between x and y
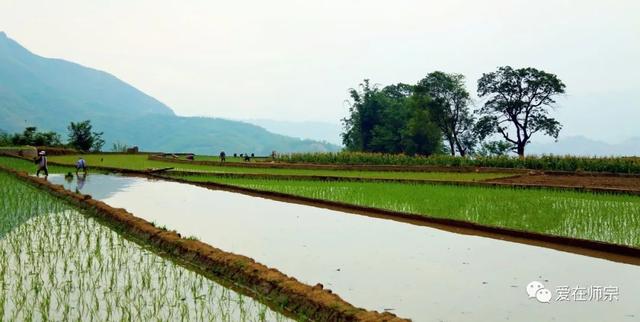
414, 271
56, 264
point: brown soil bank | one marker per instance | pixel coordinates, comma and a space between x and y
268, 284
630, 183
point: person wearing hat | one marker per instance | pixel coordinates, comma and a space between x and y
42, 164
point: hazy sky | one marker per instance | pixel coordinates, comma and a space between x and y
295, 60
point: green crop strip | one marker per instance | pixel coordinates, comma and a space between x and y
602, 217
57, 264
140, 162
544, 162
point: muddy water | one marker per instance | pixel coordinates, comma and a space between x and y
418, 272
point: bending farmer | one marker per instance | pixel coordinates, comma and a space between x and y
81, 164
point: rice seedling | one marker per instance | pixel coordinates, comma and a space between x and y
602, 217
58, 264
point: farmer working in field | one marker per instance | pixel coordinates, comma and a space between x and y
41, 161
81, 164
223, 156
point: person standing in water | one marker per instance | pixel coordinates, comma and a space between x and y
42, 164
81, 164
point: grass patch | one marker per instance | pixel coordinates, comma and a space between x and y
608, 218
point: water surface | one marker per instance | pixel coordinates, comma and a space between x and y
414, 271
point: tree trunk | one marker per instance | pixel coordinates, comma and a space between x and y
463, 152
521, 150
452, 147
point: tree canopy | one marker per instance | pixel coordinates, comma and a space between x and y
31, 136
416, 119
393, 119
518, 104
450, 109
82, 138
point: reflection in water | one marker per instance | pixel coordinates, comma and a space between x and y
104, 186
417, 272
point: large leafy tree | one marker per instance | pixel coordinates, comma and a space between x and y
83, 138
450, 109
375, 115
363, 114
421, 135
386, 135
390, 120
518, 104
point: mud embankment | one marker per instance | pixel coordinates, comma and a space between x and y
267, 284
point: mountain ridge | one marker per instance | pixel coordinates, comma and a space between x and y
51, 92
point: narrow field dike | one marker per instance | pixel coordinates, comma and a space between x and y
50, 227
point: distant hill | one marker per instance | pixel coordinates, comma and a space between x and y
49, 93
583, 146
320, 131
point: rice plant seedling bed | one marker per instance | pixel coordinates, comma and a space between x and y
600, 217
58, 264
